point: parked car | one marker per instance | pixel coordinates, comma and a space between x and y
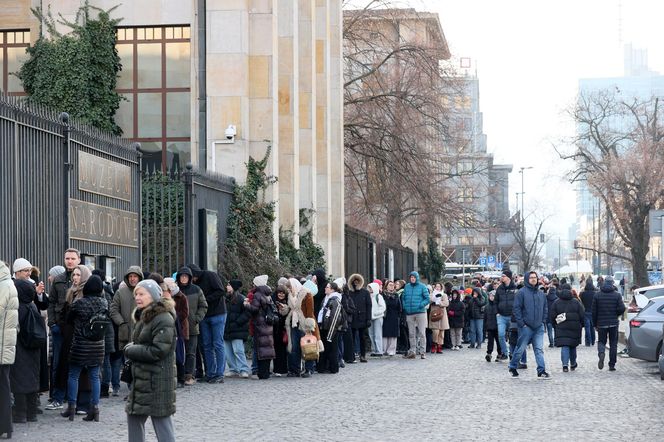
645, 337
661, 362
642, 296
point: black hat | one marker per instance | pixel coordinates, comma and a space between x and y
93, 286
236, 284
508, 273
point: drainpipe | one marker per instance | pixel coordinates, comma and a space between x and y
202, 93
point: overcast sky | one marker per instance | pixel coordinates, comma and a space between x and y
529, 57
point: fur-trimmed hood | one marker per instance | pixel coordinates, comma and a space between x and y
155, 309
355, 282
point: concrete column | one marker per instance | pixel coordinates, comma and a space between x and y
289, 139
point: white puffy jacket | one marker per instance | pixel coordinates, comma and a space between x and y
8, 316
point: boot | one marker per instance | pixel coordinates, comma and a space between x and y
440, 349
93, 414
434, 348
70, 412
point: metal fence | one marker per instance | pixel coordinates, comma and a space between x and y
376, 259
63, 184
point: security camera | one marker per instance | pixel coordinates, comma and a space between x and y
230, 132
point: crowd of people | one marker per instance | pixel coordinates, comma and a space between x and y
78, 340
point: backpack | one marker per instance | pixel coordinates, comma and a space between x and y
33, 329
271, 314
309, 347
95, 329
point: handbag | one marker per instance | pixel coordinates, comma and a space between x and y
125, 374
436, 313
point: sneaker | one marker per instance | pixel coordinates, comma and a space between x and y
363, 359
408, 355
471, 346
116, 392
514, 372
488, 358
550, 345
277, 375
573, 367
565, 369
503, 357
55, 405
522, 366
245, 375
306, 374
423, 356
543, 375
341, 364
254, 377
455, 348
233, 374
189, 381
600, 363
212, 379
612, 368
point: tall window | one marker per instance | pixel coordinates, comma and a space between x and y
155, 80
12, 57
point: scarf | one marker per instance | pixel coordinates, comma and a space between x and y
325, 301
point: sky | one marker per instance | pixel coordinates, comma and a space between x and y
529, 56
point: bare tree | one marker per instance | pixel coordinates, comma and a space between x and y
402, 139
619, 151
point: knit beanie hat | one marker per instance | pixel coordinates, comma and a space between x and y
282, 281
260, 280
21, 264
508, 273
93, 286
236, 284
152, 287
56, 271
172, 286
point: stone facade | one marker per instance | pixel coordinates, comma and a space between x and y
273, 70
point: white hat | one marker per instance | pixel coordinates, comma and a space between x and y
21, 264
340, 282
260, 280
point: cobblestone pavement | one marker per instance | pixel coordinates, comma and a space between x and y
453, 396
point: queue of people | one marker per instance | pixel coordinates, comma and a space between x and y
145, 331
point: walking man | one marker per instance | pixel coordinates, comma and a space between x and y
505, 294
530, 309
415, 300
607, 307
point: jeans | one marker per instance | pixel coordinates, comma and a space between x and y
56, 337
110, 373
376, 334
533, 336
295, 356
612, 334
568, 355
190, 360
212, 336
417, 325
72, 383
476, 332
235, 357
590, 328
503, 326
549, 332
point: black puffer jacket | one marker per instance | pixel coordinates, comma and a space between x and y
490, 311
568, 332
455, 313
84, 351
349, 307
475, 306
587, 295
607, 306
551, 297
237, 321
505, 298
362, 301
24, 372
263, 332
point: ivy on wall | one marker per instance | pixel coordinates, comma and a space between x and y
76, 72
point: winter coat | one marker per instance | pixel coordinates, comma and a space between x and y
490, 312
392, 313
568, 332
301, 307
377, 305
362, 300
237, 319
182, 314
443, 323
214, 290
505, 298
196, 300
455, 313
152, 393
109, 338
123, 306
57, 299
24, 373
476, 310
607, 306
332, 312
415, 297
8, 316
263, 332
349, 307
530, 306
83, 351
587, 296
321, 282
551, 297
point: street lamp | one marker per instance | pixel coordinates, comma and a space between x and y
523, 219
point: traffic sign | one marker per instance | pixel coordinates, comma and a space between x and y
499, 266
492, 259
482, 261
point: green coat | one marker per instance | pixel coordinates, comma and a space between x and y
153, 363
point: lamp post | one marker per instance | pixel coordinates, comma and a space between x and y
523, 218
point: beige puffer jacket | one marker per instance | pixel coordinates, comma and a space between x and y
8, 316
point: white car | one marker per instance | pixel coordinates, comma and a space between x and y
642, 296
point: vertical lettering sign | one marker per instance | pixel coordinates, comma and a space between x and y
104, 177
92, 222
